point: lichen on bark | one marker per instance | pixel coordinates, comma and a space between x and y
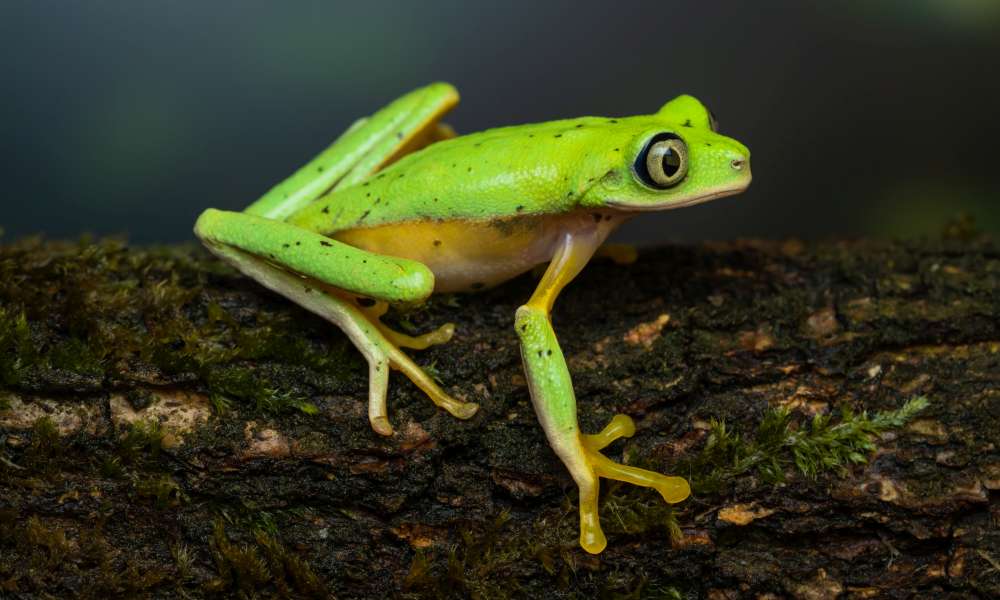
168, 427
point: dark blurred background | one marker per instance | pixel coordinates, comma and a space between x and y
865, 117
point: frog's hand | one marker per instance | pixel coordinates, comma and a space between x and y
407, 124
555, 404
303, 266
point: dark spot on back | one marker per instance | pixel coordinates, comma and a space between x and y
579, 125
437, 242
319, 169
557, 135
364, 215
325, 243
326, 210
613, 121
399, 135
687, 123
618, 149
519, 208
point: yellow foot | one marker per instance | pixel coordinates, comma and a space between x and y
440, 335
420, 342
462, 410
672, 489
384, 353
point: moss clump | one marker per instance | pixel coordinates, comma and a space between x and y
265, 563
777, 444
162, 489
16, 350
142, 439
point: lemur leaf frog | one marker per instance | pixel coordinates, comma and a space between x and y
399, 208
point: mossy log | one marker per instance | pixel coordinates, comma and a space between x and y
169, 428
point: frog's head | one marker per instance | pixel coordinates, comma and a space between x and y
670, 159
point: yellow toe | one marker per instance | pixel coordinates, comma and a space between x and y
673, 489
381, 426
593, 540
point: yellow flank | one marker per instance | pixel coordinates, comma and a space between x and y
469, 255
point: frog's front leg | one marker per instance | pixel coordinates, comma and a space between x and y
555, 404
321, 274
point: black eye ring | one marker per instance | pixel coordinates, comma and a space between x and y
663, 162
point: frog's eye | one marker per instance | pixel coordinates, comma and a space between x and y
664, 161
713, 122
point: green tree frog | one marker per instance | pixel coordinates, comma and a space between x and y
398, 208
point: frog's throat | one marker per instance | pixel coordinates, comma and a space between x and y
649, 207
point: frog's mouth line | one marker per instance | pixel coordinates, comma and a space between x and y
713, 195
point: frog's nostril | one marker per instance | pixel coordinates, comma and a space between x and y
738, 163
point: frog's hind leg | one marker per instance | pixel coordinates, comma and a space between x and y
320, 274
370, 144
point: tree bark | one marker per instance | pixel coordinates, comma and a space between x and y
168, 427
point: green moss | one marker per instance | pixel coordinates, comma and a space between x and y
183, 559
16, 349
778, 444
248, 385
263, 563
48, 544
162, 489
97, 312
143, 438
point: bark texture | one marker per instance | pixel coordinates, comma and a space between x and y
169, 428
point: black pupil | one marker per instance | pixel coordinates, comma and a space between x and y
671, 162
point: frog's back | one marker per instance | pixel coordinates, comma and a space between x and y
497, 173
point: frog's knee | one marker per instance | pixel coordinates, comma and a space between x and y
206, 223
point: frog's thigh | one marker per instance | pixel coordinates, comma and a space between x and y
405, 125
317, 256
222, 234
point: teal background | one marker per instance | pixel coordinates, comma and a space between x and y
864, 117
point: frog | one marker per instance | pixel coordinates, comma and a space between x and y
400, 207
